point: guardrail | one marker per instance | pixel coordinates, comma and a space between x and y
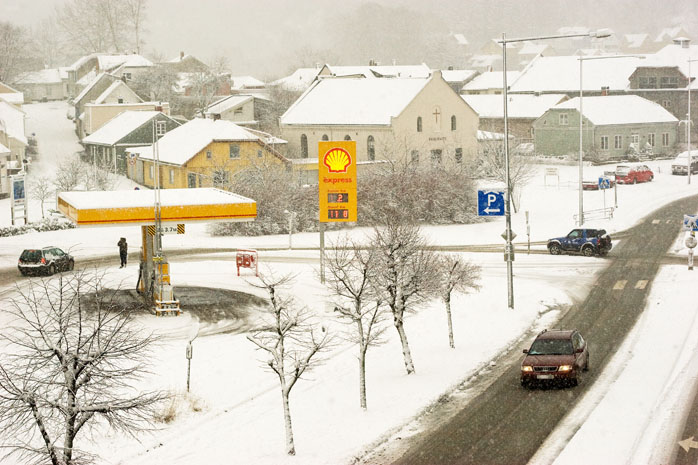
598, 214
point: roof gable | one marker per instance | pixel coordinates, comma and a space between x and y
519, 105
619, 109
116, 86
121, 126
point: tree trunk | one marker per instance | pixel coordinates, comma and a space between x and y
290, 447
362, 376
447, 300
409, 366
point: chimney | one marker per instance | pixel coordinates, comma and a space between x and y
450, 68
684, 42
604, 90
181, 56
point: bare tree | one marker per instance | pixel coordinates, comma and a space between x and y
69, 174
459, 275
135, 17
71, 363
492, 164
350, 274
47, 42
42, 189
102, 175
290, 338
405, 275
13, 51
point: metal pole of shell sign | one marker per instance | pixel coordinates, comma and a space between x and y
337, 186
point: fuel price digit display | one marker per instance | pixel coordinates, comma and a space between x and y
337, 197
337, 214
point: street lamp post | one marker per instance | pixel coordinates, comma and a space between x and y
689, 123
509, 249
580, 215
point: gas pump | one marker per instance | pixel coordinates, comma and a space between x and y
154, 280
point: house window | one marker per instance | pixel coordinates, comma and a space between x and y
453, 123
650, 139
234, 151
564, 120
436, 156
152, 175
459, 155
259, 154
324, 137
127, 76
120, 100
347, 137
665, 139
617, 142
635, 138
604, 142
371, 148
171, 176
666, 103
533, 132
238, 111
669, 82
414, 156
208, 154
304, 146
160, 128
648, 82
191, 180
419, 124
220, 178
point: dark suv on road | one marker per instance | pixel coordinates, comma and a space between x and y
44, 261
555, 356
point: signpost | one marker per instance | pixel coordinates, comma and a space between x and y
490, 203
691, 244
18, 202
337, 187
690, 222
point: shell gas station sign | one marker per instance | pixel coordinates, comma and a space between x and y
337, 181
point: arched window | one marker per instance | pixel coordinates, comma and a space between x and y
419, 124
453, 123
324, 137
371, 148
304, 146
347, 137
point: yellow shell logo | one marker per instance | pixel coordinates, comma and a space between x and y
337, 160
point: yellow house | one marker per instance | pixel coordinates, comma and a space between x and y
202, 153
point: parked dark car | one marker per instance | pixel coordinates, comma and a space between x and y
632, 173
556, 356
46, 261
588, 242
680, 163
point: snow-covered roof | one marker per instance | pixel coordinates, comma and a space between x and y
15, 98
4, 150
119, 127
561, 74
299, 80
81, 61
63, 72
485, 61
181, 144
44, 76
12, 121
673, 55
242, 82
87, 78
460, 38
353, 101
226, 103
635, 40
533, 48
109, 62
88, 87
490, 80
457, 75
111, 89
668, 33
144, 198
620, 109
487, 135
371, 71
519, 105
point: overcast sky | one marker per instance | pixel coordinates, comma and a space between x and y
270, 37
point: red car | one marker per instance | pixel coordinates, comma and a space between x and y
632, 173
555, 356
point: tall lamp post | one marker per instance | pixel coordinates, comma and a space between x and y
582, 59
509, 250
689, 123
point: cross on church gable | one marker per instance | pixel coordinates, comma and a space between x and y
436, 115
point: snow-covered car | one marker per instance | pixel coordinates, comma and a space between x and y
680, 164
632, 173
47, 261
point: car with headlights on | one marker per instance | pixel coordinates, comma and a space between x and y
555, 356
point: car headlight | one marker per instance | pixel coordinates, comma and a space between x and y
526, 368
565, 368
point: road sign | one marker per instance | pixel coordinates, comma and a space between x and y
504, 235
490, 203
166, 229
690, 222
604, 183
337, 181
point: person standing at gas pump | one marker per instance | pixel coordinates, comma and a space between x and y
123, 251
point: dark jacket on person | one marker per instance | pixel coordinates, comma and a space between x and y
123, 246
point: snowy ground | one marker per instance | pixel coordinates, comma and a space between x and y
240, 418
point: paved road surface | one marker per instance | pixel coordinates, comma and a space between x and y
506, 424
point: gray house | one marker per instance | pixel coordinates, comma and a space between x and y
613, 127
128, 129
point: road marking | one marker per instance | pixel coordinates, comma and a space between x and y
641, 284
655, 221
620, 285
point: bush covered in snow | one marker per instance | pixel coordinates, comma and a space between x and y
46, 224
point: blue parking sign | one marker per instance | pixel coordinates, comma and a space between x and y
490, 203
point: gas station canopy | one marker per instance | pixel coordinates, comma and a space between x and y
137, 207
